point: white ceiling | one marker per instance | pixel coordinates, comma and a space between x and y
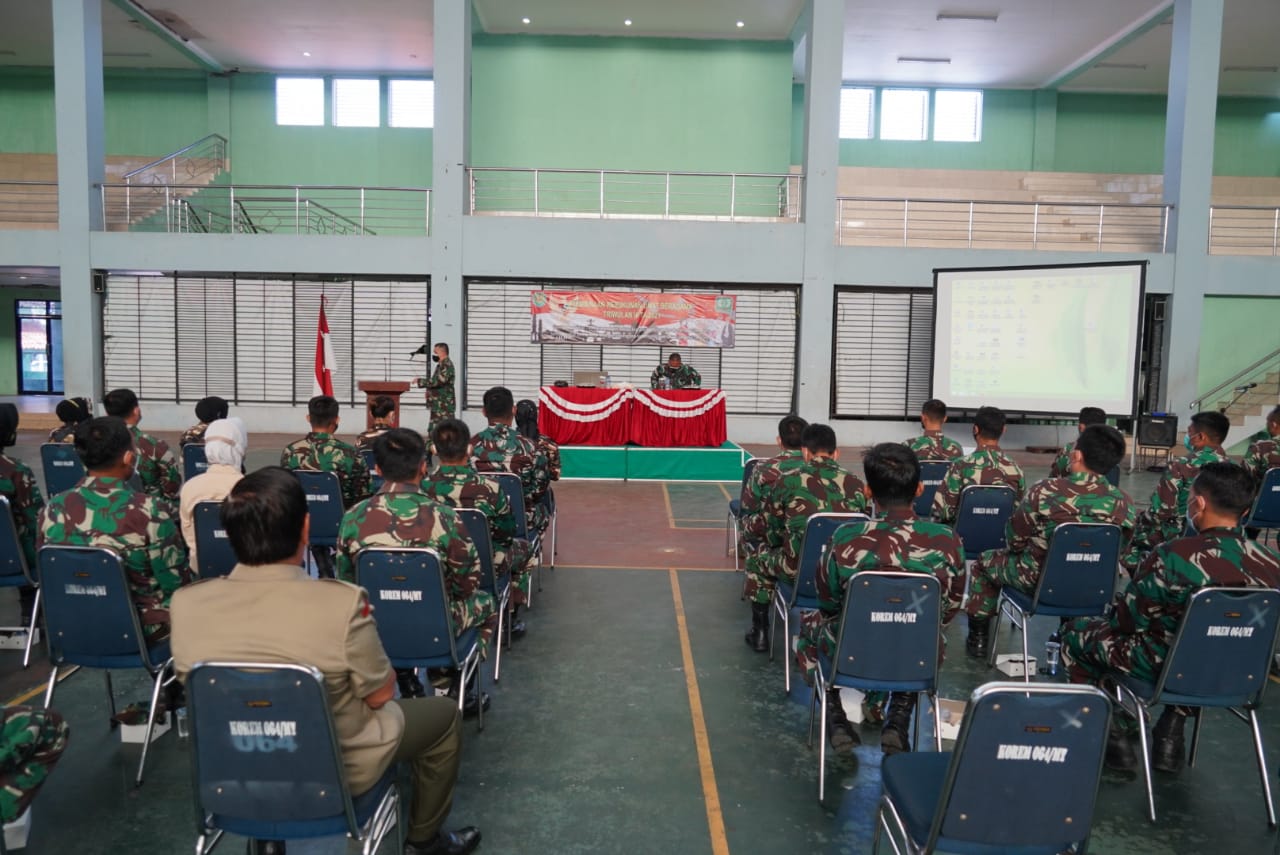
1032, 43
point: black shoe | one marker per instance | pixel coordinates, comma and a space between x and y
471, 708
758, 636
266, 847
895, 736
1168, 747
409, 684
978, 643
517, 628
840, 732
1120, 756
458, 842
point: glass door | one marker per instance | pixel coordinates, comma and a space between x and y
39, 344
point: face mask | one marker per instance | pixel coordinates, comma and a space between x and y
1193, 517
1186, 440
435, 358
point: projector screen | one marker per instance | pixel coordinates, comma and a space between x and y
1038, 339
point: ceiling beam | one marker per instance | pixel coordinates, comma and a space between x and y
186, 47
1100, 52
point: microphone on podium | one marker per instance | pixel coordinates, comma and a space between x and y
1246, 387
422, 349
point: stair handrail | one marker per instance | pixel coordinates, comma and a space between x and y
244, 215
193, 214
1229, 383
220, 146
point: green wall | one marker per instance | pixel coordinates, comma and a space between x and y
8, 334
1235, 332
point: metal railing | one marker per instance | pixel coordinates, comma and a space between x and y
631, 194
1244, 230
273, 209
28, 204
199, 163
1266, 364
986, 224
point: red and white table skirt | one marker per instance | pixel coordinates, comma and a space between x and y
655, 418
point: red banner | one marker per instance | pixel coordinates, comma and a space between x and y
650, 318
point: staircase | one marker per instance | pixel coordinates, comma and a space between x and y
154, 189
1248, 414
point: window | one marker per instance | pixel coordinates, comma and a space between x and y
357, 103
412, 103
883, 358
857, 113
957, 115
299, 101
904, 114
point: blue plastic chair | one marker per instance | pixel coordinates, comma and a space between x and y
324, 504
1219, 658
512, 486
406, 587
1113, 476
62, 466
803, 595
214, 555
1023, 779
931, 474
548, 502
266, 762
980, 522
194, 460
1265, 513
477, 525
1077, 579
92, 622
14, 573
879, 651
733, 519
375, 480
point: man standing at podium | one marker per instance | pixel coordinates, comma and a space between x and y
440, 396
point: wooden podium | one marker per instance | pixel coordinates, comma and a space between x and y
373, 388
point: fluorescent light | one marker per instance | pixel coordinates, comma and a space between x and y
525, 21
1127, 66
627, 22
939, 60
1262, 69
306, 53
987, 17
741, 24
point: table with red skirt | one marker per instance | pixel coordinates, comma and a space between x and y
654, 418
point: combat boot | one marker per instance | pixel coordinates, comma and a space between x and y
1168, 748
895, 737
1120, 756
978, 644
840, 732
410, 685
758, 638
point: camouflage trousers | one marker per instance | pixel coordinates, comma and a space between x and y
31, 742
1092, 646
1150, 532
515, 560
996, 569
476, 612
764, 569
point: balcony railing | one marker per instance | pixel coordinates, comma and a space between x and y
1244, 230
28, 204
270, 209
622, 194
977, 224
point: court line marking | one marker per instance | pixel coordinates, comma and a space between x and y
725, 490
645, 567
666, 498
39, 689
1273, 678
710, 794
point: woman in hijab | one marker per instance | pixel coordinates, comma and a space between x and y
18, 485
527, 427
225, 443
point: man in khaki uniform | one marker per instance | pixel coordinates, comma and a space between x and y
269, 610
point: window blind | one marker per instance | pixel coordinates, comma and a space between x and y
883, 352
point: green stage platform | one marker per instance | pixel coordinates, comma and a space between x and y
636, 463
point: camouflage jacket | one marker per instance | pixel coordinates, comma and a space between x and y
320, 452
1154, 600
460, 486
1079, 497
439, 386
157, 469
551, 449
1165, 518
985, 466
499, 448
141, 529
366, 438
31, 741
195, 434
755, 499
18, 485
401, 515
1263, 454
1061, 466
932, 445
819, 486
684, 377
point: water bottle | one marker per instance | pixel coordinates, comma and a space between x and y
181, 716
1052, 654
608, 381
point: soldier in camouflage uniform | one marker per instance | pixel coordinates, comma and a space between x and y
319, 451
500, 448
103, 511
381, 409
441, 399
71, 412
1134, 639
898, 541
401, 515
932, 445
208, 411
1083, 496
31, 741
457, 484
821, 485
527, 427
18, 485
767, 474
1061, 466
678, 375
1166, 516
156, 467
987, 465
1264, 448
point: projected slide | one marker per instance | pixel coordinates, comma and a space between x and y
1041, 340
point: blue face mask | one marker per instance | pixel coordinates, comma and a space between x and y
1186, 440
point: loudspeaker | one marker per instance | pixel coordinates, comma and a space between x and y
1158, 431
99, 283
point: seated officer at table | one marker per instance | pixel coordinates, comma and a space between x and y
677, 374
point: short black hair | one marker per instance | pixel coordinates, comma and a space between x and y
893, 473
72, 411
101, 442
1227, 487
934, 410
442, 346
382, 406
323, 410
1093, 416
818, 439
9, 417
674, 357
1274, 415
1212, 424
399, 454
498, 402
120, 402
990, 422
1102, 447
790, 430
527, 419
452, 439
264, 514
212, 408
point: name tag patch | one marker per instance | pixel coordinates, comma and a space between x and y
1034, 753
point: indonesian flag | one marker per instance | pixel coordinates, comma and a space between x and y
326, 362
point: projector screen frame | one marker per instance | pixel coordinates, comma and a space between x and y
1141, 264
